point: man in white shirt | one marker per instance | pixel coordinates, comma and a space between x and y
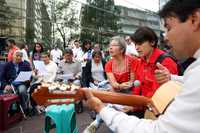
182, 21
48, 77
76, 49
50, 67
56, 55
24, 51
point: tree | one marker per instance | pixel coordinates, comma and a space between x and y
64, 18
6, 15
30, 30
46, 26
99, 20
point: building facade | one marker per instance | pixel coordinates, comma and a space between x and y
133, 18
15, 14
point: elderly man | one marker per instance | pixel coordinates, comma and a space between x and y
182, 21
10, 71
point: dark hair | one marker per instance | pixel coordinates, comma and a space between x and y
179, 8
68, 51
34, 49
96, 52
11, 41
76, 41
144, 34
45, 53
85, 42
22, 46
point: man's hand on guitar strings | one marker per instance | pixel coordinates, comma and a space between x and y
162, 74
92, 102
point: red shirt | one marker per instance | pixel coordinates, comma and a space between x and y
11, 52
122, 76
145, 73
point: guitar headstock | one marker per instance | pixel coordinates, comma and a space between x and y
46, 94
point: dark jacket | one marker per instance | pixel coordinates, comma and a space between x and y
87, 74
9, 72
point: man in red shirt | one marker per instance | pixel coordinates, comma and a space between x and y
12, 48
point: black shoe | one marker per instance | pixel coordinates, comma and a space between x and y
79, 107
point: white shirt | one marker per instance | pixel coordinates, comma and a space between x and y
56, 54
76, 51
182, 116
51, 72
131, 50
25, 55
97, 71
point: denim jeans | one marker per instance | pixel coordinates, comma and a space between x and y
23, 95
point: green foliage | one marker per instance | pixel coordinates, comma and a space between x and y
6, 14
64, 16
99, 20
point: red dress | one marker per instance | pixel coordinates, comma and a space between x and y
131, 64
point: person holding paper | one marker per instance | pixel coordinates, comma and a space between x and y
69, 69
49, 76
182, 23
11, 70
50, 69
70, 72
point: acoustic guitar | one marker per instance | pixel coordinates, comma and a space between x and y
157, 104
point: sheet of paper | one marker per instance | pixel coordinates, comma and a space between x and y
40, 66
23, 76
66, 77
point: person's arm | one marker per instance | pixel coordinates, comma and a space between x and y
163, 75
181, 116
112, 80
79, 70
54, 69
120, 122
176, 78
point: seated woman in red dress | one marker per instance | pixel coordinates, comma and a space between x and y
121, 68
120, 73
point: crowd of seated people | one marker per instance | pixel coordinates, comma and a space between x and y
88, 68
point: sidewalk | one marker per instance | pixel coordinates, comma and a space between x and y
35, 124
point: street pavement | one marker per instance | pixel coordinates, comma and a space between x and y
35, 124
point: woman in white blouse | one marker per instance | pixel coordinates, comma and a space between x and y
93, 73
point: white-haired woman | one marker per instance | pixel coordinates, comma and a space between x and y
120, 72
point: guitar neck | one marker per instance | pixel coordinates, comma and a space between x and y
119, 98
43, 97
